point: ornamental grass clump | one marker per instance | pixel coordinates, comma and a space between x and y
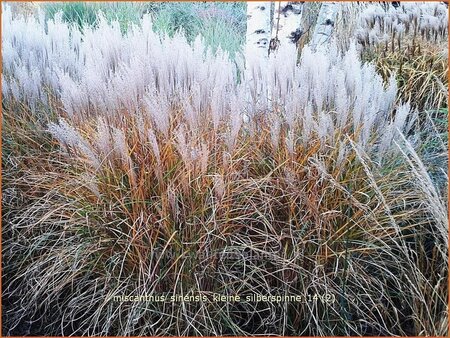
137, 165
413, 41
407, 40
407, 24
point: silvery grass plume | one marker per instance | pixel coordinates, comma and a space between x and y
104, 78
411, 20
90, 73
382, 25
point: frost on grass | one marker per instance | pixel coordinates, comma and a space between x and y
94, 73
415, 20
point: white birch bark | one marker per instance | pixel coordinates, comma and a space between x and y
324, 26
287, 24
257, 54
258, 31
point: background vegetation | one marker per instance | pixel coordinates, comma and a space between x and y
221, 24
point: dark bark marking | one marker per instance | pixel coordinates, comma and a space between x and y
262, 42
290, 8
296, 35
274, 44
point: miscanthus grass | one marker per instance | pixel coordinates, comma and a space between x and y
138, 165
413, 43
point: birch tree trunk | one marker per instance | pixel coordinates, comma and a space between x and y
257, 54
324, 26
258, 31
287, 24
